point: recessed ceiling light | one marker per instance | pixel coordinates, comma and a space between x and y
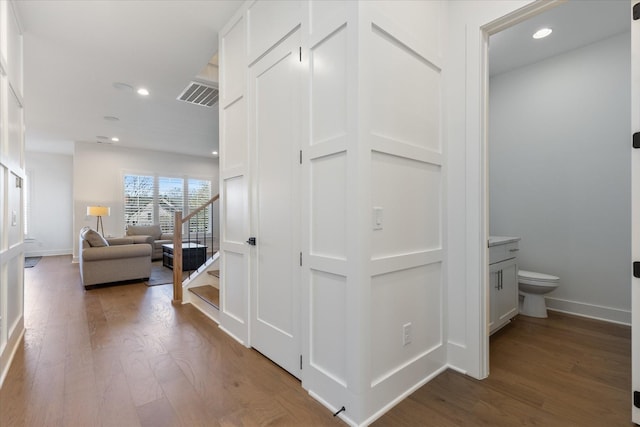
542, 33
122, 86
111, 118
215, 153
142, 91
115, 139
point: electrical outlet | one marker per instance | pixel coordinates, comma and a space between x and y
407, 335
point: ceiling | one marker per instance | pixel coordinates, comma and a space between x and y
574, 23
74, 52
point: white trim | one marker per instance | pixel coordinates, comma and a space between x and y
11, 349
591, 311
228, 332
403, 396
50, 252
204, 308
386, 375
333, 409
635, 209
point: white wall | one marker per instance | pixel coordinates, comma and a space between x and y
50, 183
560, 173
97, 179
373, 137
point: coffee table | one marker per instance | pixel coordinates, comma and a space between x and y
193, 256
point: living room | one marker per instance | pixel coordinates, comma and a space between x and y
107, 105
93, 175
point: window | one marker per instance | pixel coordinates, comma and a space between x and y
199, 194
170, 200
138, 199
155, 199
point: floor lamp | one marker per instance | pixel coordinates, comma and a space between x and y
99, 212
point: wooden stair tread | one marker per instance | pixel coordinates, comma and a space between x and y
208, 294
215, 273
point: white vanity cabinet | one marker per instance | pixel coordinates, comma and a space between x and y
503, 273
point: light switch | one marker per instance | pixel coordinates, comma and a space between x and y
377, 218
14, 218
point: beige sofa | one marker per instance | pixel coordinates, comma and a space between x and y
112, 260
151, 234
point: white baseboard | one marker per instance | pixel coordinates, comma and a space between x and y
404, 395
333, 409
592, 311
52, 252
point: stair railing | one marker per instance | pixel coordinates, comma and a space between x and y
195, 235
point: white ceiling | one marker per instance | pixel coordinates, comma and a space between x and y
574, 23
75, 50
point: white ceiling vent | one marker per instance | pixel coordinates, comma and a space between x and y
199, 94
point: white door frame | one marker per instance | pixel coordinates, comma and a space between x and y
635, 215
487, 30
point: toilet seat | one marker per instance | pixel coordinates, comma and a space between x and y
532, 278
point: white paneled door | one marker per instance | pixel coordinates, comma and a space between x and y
275, 135
635, 226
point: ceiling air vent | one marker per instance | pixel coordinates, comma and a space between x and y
199, 94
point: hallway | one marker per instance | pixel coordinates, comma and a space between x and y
124, 356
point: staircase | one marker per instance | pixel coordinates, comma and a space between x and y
202, 289
202, 283
209, 293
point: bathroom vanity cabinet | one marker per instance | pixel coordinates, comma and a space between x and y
503, 273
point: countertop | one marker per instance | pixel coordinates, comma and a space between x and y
502, 240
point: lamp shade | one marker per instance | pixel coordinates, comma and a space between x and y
98, 210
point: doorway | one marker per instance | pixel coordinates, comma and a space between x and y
550, 165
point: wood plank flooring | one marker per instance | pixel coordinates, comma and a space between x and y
124, 356
561, 371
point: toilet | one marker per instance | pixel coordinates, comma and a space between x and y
533, 286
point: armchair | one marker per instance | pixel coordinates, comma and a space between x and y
151, 234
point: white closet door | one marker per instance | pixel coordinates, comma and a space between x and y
275, 132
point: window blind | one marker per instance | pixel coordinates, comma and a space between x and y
152, 199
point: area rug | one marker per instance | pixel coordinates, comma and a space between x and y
160, 275
31, 261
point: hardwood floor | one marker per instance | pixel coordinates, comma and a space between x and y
561, 371
124, 356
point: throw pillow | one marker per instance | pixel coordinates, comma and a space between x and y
94, 238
